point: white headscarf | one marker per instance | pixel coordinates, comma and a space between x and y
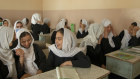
46, 20
95, 30
105, 23
86, 24
61, 24
6, 54
24, 21
29, 54
15, 25
9, 23
69, 48
35, 18
125, 39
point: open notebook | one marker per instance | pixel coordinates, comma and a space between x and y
66, 73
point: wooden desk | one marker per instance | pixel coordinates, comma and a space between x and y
84, 73
125, 68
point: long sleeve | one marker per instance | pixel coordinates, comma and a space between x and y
45, 29
117, 42
20, 69
121, 35
81, 61
95, 54
78, 35
3, 70
50, 61
36, 30
106, 46
40, 58
134, 41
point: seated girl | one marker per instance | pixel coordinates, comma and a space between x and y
18, 25
34, 59
111, 40
37, 26
7, 60
126, 35
92, 43
65, 53
82, 32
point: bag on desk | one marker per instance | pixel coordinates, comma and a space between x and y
66, 73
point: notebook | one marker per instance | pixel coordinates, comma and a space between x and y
66, 73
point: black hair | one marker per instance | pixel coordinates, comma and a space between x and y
4, 21
19, 22
66, 23
1, 18
134, 24
81, 20
27, 20
24, 34
61, 31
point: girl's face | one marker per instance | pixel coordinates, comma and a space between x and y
59, 40
109, 28
130, 29
26, 41
19, 25
5, 23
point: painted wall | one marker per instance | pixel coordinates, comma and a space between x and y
89, 4
19, 9
120, 12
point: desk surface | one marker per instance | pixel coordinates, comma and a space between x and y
133, 60
84, 73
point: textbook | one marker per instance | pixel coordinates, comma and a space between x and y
66, 73
124, 56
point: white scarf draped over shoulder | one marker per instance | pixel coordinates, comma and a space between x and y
6, 54
86, 24
69, 48
94, 32
29, 54
105, 23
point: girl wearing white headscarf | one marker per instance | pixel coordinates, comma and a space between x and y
92, 43
37, 26
7, 23
18, 25
83, 30
6, 53
126, 35
110, 41
62, 24
135, 37
34, 58
65, 53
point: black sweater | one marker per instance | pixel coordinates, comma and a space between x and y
106, 46
37, 29
79, 35
40, 60
3, 70
134, 41
79, 60
95, 54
